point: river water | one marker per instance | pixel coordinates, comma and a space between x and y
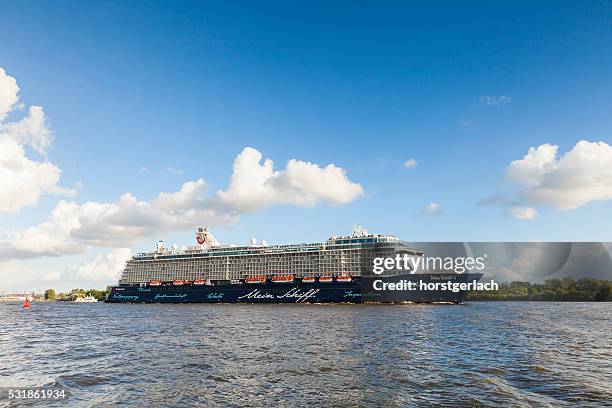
476, 354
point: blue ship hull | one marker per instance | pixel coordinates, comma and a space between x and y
360, 290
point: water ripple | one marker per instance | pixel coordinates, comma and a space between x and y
478, 354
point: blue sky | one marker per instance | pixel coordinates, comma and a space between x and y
464, 89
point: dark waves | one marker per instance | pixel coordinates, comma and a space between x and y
477, 354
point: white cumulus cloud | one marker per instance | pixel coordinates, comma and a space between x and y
523, 213
74, 227
104, 267
24, 180
410, 164
33, 130
255, 185
432, 209
580, 176
9, 91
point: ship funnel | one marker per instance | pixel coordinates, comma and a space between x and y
159, 246
205, 238
253, 241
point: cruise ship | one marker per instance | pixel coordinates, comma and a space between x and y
339, 270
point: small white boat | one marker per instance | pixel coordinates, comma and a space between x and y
86, 299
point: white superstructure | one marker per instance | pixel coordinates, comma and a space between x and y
347, 255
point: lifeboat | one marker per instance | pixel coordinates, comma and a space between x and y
326, 279
187, 282
282, 278
199, 282
155, 283
344, 278
178, 282
308, 279
255, 279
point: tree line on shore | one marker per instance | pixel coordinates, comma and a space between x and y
75, 293
565, 289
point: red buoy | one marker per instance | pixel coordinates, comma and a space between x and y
26, 303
